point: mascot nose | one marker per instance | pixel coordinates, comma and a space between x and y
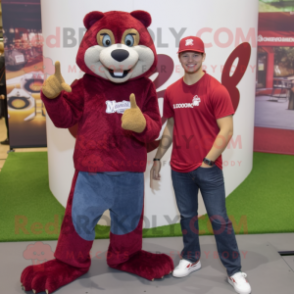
120, 54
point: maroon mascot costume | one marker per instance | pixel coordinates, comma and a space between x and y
115, 108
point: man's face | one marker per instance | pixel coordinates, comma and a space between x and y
191, 61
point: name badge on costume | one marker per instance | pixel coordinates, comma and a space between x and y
119, 107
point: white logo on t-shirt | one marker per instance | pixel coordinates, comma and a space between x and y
119, 107
195, 102
189, 42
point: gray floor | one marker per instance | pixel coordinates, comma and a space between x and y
273, 113
267, 271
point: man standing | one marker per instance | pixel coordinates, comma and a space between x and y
200, 125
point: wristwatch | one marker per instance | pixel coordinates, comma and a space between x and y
208, 162
156, 159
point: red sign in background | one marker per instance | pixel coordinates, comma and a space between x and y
271, 134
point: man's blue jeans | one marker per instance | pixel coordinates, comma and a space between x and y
211, 184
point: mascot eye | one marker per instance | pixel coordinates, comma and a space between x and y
129, 40
130, 37
106, 41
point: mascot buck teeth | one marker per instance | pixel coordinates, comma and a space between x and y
115, 108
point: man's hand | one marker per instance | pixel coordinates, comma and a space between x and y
154, 172
2, 97
133, 119
205, 165
55, 84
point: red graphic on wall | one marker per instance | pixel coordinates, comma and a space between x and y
243, 52
165, 68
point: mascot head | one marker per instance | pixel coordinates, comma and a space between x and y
117, 46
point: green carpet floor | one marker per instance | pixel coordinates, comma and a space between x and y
263, 203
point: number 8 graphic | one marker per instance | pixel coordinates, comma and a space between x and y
243, 52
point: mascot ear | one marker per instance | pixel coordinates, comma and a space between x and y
91, 18
143, 16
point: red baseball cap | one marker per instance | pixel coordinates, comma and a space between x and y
191, 43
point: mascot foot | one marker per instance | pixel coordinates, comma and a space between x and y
49, 276
147, 265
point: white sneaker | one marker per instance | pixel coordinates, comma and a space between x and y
239, 283
186, 267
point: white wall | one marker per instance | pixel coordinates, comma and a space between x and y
228, 15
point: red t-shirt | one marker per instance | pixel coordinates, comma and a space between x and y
195, 109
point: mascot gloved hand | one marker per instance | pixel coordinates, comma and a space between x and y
115, 108
55, 84
133, 119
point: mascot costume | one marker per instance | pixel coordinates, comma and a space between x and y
115, 107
